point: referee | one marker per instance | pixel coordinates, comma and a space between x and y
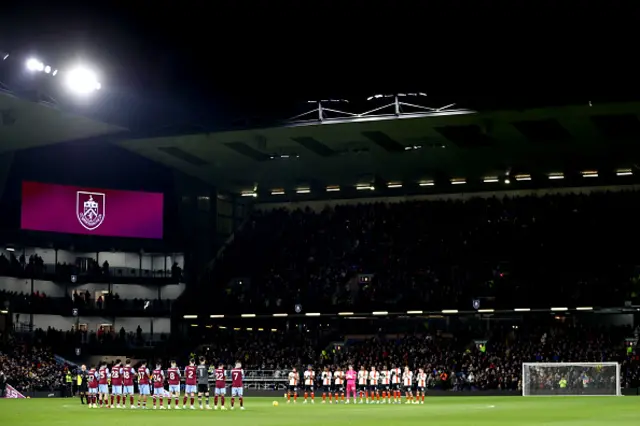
82, 379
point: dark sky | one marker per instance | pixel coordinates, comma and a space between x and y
206, 62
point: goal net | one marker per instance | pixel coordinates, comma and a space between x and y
571, 378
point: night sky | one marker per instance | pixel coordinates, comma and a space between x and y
209, 63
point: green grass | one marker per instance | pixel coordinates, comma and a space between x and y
447, 411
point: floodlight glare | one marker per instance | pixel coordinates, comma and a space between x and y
47, 69
34, 65
82, 81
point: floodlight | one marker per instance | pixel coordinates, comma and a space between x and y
82, 81
47, 69
34, 65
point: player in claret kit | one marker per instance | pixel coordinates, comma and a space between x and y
338, 381
326, 385
309, 385
116, 383
144, 390
103, 384
396, 385
374, 394
191, 382
422, 386
128, 373
407, 379
237, 386
294, 378
173, 375
385, 384
220, 389
158, 385
362, 384
92, 381
202, 372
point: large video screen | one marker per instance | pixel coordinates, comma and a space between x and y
91, 211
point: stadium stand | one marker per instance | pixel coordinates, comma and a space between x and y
30, 368
436, 254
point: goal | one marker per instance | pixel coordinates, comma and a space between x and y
571, 379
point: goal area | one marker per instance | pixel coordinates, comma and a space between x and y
571, 379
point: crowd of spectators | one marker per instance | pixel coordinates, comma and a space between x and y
30, 368
453, 362
552, 250
107, 304
85, 269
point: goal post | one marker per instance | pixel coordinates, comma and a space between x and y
571, 379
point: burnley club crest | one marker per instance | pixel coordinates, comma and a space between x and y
90, 209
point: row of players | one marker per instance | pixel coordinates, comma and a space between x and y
152, 383
372, 386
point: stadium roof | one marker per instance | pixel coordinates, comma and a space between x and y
25, 124
439, 146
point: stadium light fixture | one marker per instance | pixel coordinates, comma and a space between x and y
313, 314
345, 314
486, 311
34, 65
624, 172
363, 186
249, 329
522, 309
190, 317
559, 309
194, 325
458, 181
394, 185
380, 313
491, 179
216, 316
590, 174
584, 308
280, 315
248, 315
261, 329
277, 192
274, 330
333, 188
237, 329
249, 194
414, 312
82, 81
521, 178
4, 312
556, 176
426, 183
449, 311
11, 249
303, 191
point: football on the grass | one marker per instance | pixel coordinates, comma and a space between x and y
275, 403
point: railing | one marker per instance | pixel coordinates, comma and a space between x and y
259, 379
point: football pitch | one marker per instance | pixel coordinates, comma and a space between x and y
463, 411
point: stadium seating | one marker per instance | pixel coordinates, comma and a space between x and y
437, 254
30, 368
452, 362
